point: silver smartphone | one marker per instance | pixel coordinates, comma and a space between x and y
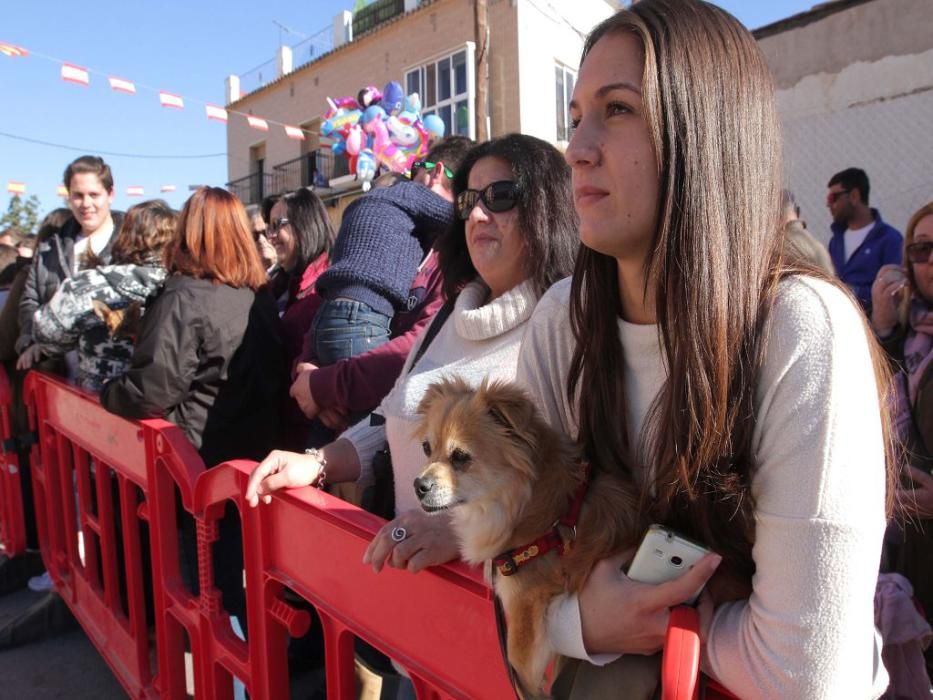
663, 555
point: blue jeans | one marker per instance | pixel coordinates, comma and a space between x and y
344, 328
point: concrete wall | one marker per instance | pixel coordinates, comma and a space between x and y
864, 32
856, 89
374, 59
550, 32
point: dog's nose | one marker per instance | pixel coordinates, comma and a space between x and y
422, 486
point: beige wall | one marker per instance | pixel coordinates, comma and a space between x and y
855, 89
865, 32
550, 33
375, 59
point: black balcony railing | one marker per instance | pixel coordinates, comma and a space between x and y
314, 169
375, 14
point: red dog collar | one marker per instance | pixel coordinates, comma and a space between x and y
510, 562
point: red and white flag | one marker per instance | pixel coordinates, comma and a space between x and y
75, 74
293, 132
62, 191
134, 191
12, 50
167, 99
216, 113
257, 123
121, 85
167, 188
16, 187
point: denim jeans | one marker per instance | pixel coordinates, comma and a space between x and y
344, 328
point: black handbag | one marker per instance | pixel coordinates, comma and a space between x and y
379, 498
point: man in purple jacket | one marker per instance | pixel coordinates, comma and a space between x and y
861, 241
358, 384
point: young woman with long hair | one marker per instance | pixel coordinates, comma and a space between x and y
742, 397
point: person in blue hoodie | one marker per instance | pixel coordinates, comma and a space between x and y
861, 242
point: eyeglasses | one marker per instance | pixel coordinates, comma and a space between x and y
497, 197
429, 166
833, 196
919, 252
277, 225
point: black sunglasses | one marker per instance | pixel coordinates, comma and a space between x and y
497, 197
919, 252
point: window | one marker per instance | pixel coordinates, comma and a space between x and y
446, 88
564, 91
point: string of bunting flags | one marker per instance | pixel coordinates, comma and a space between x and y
19, 188
80, 75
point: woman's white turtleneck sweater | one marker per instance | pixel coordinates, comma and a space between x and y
808, 629
476, 342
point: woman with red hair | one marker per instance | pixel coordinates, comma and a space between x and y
209, 355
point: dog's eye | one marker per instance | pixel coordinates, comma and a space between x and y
460, 459
426, 446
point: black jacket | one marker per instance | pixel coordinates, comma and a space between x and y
53, 262
209, 358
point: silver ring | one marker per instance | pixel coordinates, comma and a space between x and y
399, 534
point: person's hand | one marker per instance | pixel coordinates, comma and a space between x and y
29, 357
301, 392
621, 616
919, 500
281, 470
266, 251
428, 541
333, 418
303, 367
885, 294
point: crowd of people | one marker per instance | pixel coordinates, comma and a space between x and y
655, 292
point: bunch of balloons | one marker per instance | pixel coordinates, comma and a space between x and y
380, 129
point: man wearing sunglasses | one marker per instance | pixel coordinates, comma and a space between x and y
383, 258
861, 242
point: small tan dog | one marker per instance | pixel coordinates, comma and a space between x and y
511, 481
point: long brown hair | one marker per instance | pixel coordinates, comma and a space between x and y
214, 241
714, 268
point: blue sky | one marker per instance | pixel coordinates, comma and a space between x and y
187, 48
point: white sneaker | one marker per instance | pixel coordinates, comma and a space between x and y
41, 583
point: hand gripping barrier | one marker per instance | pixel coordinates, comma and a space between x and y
111, 480
12, 523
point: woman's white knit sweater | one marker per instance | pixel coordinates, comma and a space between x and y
477, 341
807, 631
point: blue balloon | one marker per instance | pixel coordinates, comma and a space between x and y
372, 112
393, 97
338, 148
434, 125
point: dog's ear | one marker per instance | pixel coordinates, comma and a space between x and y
111, 318
129, 324
448, 387
508, 406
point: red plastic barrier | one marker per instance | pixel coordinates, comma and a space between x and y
12, 523
82, 447
680, 666
110, 478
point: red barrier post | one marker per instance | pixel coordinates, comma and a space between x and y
82, 445
12, 522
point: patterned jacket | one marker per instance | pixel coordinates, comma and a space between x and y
69, 319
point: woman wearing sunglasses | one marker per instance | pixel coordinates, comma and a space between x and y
902, 316
514, 235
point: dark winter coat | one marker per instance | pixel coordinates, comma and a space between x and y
209, 358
